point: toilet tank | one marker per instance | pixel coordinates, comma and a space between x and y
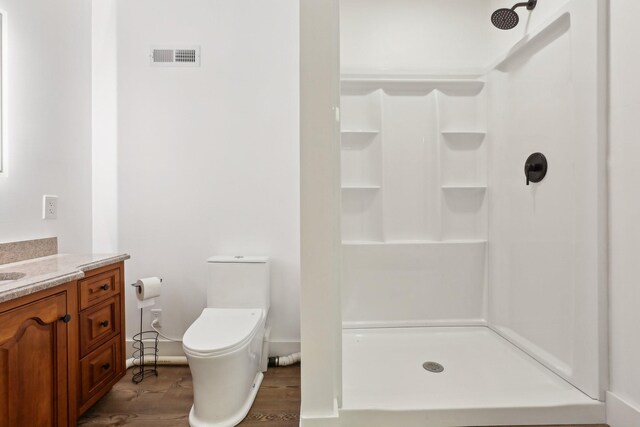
238, 282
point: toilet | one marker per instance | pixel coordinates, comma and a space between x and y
224, 345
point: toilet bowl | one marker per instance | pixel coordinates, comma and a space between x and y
224, 345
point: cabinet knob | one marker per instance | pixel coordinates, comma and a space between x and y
104, 287
106, 366
66, 318
104, 324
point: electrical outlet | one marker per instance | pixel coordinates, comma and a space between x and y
49, 207
156, 314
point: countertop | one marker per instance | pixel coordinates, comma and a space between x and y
50, 271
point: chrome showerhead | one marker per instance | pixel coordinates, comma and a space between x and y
506, 19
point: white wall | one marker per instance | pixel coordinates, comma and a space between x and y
208, 157
624, 399
105, 126
406, 36
49, 121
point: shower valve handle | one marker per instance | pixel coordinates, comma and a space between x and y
535, 168
528, 168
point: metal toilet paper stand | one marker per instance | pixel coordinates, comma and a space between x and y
145, 352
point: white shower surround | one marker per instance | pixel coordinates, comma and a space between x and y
548, 244
543, 286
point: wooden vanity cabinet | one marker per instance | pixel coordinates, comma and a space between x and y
102, 344
61, 349
37, 363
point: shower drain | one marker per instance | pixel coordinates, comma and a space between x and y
433, 367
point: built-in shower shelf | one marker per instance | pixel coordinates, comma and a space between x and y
412, 242
361, 242
400, 83
361, 187
465, 187
348, 132
463, 134
469, 139
358, 139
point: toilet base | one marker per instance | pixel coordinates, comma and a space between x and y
236, 418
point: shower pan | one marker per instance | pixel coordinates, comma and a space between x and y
471, 294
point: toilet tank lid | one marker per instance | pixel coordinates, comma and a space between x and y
239, 259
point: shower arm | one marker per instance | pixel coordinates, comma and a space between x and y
531, 4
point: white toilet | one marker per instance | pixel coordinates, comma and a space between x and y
224, 345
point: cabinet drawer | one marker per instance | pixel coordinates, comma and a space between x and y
99, 368
99, 324
98, 288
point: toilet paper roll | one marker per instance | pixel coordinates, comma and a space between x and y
148, 288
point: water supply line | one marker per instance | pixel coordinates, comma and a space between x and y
159, 360
274, 361
153, 326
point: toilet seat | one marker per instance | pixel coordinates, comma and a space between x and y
219, 331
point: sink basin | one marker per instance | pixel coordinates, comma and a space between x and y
10, 277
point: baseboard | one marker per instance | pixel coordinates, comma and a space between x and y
329, 420
319, 422
621, 413
171, 348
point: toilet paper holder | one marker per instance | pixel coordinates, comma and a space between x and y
145, 350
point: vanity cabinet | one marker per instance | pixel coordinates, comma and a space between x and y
36, 359
102, 355
61, 349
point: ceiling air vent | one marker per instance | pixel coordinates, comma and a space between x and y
175, 57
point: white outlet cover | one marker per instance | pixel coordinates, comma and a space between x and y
156, 313
49, 207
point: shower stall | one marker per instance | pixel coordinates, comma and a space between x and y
472, 284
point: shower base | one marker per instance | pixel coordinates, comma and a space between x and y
486, 381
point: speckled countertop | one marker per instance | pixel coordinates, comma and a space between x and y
47, 272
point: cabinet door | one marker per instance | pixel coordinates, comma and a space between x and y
33, 364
